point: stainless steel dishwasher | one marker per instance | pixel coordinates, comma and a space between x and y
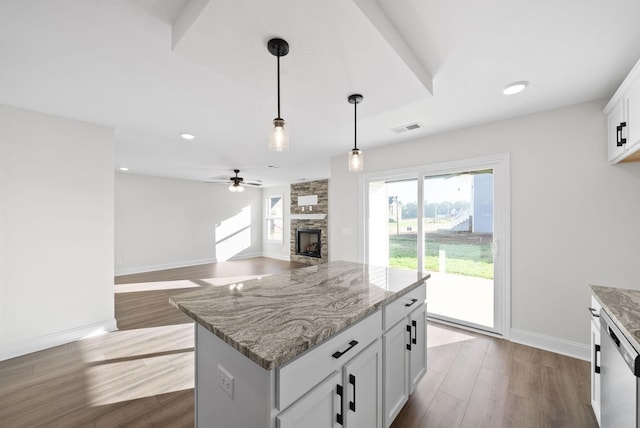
619, 371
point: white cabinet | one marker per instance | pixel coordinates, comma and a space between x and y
318, 409
404, 351
623, 120
362, 379
350, 398
595, 357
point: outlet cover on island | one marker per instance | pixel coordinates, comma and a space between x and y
225, 381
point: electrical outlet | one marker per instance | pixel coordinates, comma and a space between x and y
225, 381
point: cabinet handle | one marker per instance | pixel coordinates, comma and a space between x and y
352, 404
412, 302
619, 140
339, 415
339, 354
415, 334
409, 344
596, 351
614, 337
594, 313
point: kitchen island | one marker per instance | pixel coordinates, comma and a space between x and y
338, 344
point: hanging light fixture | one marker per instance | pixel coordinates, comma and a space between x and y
355, 155
279, 138
236, 182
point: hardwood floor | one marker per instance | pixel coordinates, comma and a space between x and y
142, 374
474, 380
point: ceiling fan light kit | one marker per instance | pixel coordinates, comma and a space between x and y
355, 155
236, 182
279, 138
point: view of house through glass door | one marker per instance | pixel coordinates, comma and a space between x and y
458, 247
443, 222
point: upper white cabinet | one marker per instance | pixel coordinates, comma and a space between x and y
623, 120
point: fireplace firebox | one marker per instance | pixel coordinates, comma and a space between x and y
308, 242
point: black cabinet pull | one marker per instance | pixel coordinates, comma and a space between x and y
339, 415
614, 337
594, 313
415, 334
409, 344
352, 404
412, 302
619, 140
339, 354
596, 351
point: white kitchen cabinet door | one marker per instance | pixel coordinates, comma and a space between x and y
418, 353
633, 117
362, 382
320, 408
396, 361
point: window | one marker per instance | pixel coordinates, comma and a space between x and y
275, 218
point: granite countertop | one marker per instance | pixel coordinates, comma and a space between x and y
275, 318
624, 308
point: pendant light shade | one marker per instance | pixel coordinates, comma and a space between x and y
355, 155
279, 138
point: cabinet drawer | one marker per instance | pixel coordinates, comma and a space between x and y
401, 307
300, 375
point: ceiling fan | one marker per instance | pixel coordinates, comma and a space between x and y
236, 183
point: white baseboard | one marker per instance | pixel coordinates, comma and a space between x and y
285, 257
152, 268
17, 349
553, 344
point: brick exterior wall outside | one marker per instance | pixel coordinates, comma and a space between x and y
321, 189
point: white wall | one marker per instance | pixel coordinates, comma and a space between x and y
574, 217
56, 230
162, 223
271, 249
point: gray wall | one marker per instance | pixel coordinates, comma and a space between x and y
162, 223
574, 217
56, 230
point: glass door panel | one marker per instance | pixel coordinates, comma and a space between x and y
458, 238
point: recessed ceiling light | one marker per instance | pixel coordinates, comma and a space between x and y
515, 87
123, 168
187, 136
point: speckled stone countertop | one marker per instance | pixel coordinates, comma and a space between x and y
624, 308
275, 318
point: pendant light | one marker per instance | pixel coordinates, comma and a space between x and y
279, 138
355, 155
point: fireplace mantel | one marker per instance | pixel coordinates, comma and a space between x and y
308, 216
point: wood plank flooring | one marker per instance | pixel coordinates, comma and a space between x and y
142, 374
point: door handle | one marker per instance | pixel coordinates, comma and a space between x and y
596, 351
594, 313
415, 334
412, 302
614, 337
339, 354
339, 415
409, 344
352, 404
619, 139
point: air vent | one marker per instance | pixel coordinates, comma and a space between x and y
405, 128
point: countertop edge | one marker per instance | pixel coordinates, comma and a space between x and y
627, 334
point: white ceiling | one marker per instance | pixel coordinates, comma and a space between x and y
152, 69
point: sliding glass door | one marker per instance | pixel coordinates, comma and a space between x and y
443, 219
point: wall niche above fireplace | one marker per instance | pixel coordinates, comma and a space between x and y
309, 242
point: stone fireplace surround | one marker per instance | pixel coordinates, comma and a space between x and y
310, 218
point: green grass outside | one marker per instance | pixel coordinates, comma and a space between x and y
462, 258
